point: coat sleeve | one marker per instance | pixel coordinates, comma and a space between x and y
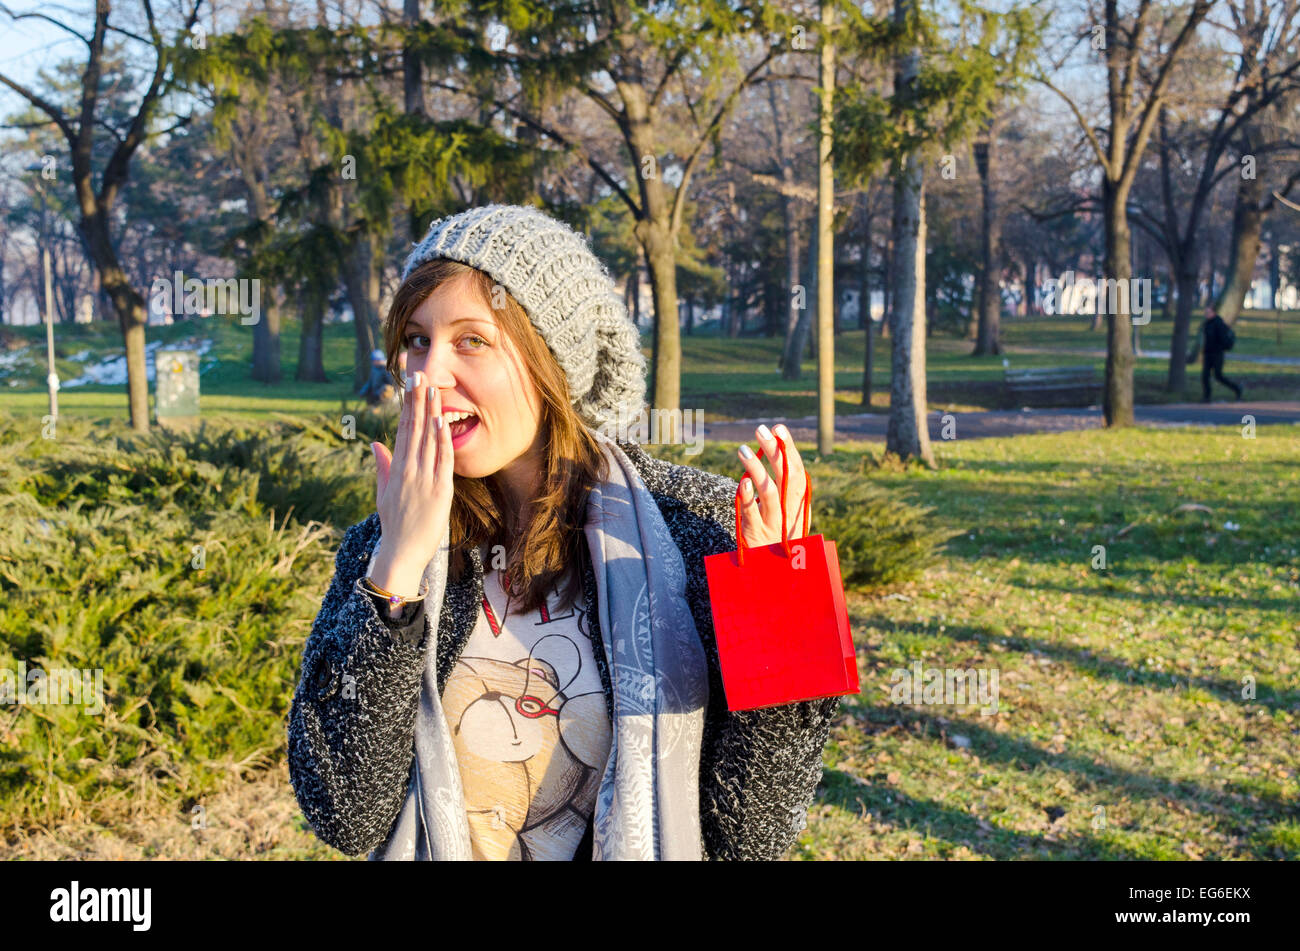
759, 769
352, 722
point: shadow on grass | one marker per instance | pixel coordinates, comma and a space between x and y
1113, 668
1112, 782
842, 789
1102, 664
1282, 605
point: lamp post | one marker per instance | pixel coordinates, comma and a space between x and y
51, 378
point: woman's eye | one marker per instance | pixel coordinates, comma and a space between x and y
475, 337
413, 345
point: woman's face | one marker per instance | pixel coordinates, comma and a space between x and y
453, 339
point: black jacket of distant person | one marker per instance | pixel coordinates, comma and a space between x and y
1214, 338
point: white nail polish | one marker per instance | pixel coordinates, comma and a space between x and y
746, 452
764, 432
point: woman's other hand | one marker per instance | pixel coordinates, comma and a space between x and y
413, 490
760, 511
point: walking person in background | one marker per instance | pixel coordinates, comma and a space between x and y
1215, 338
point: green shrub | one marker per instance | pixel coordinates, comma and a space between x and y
880, 538
170, 563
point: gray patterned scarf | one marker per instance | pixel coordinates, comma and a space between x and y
647, 805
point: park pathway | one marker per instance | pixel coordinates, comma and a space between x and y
980, 425
1156, 355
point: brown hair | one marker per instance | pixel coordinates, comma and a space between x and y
551, 545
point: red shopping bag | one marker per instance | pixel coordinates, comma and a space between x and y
779, 618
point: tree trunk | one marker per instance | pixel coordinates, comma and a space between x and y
667, 335
1274, 271
1117, 400
655, 233
864, 303
826, 310
989, 304
810, 325
1247, 218
1180, 340
736, 316
356, 280
375, 283
792, 365
774, 310
789, 357
1212, 265
311, 364
417, 221
908, 434
266, 346
128, 305
888, 286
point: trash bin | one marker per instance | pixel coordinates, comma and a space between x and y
176, 387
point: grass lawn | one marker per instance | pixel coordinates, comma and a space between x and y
726, 379
1125, 727
1145, 710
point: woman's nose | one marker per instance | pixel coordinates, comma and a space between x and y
437, 375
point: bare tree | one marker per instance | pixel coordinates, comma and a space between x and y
96, 202
1131, 49
1267, 71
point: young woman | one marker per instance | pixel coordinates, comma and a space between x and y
515, 658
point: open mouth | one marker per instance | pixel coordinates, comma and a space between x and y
462, 426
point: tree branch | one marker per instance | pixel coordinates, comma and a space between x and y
598, 97
41, 16
1290, 183
679, 198
51, 110
551, 133
1083, 123
672, 67
1154, 100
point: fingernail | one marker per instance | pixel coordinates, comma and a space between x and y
746, 452
764, 432
438, 423
410, 383
785, 433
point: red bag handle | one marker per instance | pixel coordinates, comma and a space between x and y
785, 480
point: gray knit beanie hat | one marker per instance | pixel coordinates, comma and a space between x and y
567, 293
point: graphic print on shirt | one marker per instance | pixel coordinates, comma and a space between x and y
531, 732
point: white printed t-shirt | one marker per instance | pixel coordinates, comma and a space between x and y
528, 719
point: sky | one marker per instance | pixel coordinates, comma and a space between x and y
27, 46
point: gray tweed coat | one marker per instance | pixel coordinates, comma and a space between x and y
350, 759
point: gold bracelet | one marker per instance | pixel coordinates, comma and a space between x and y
394, 600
